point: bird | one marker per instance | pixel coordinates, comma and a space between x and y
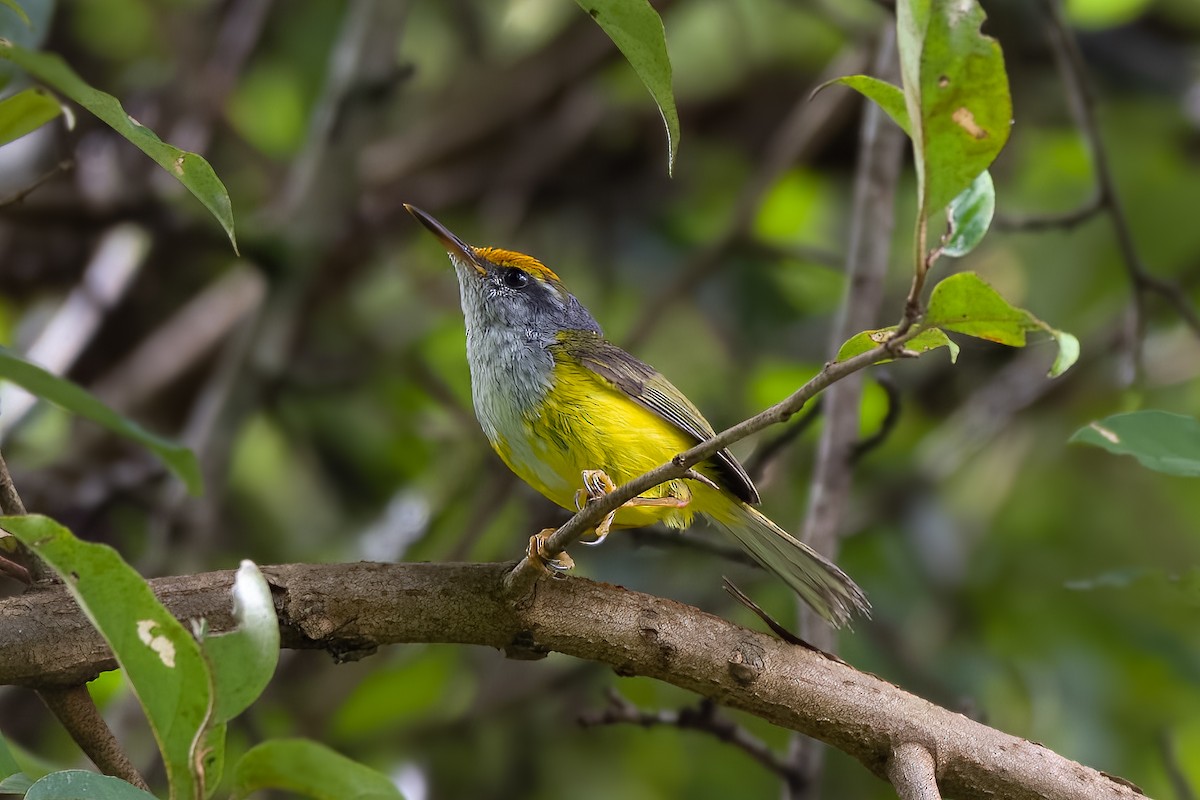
574, 415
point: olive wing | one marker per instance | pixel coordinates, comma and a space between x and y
649, 388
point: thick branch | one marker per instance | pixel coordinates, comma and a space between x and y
351, 609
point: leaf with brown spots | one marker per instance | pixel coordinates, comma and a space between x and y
956, 92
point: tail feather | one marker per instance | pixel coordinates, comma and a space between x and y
817, 580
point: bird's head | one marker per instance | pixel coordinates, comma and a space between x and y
505, 289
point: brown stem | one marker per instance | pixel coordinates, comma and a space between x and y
29, 567
75, 709
703, 718
66, 165
912, 771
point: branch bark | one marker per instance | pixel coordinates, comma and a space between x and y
913, 773
352, 609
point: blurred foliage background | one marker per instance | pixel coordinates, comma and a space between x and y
1049, 590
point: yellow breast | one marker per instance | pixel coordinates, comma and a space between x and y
584, 423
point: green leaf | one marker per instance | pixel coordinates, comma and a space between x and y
309, 769
179, 459
923, 342
243, 660
956, 92
970, 216
963, 303
637, 31
8, 764
25, 112
189, 169
20, 12
15, 784
79, 784
1068, 352
887, 96
1160, 440
160, 657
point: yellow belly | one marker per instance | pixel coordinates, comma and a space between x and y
584, 423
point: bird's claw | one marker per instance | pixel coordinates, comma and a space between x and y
600, 537
596, 484
553, 565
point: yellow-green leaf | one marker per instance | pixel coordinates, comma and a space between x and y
25, 112
964, 303
887, 96
923, 342
189, 169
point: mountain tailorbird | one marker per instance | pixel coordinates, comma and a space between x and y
573, 415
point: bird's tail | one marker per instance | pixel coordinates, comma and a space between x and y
824, 586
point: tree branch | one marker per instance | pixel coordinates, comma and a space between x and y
913, 773
352, 609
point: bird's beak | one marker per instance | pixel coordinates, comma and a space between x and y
455, 246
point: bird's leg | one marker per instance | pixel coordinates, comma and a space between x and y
596, 484
551, 565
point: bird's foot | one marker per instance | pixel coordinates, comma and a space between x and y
597, 483
553, 565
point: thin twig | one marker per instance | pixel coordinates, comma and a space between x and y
10, 501
768, 451
523, 576
775, 625
703, 717
66, 165
1082, 104
912, 771
1065, 220
11, 505
886, 426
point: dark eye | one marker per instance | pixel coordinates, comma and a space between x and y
515, 278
